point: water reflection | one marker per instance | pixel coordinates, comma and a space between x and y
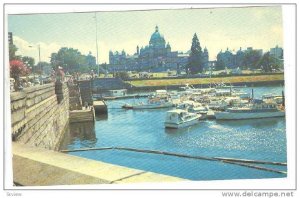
175, 132
260, 139
80, 134
255, 123
101, 117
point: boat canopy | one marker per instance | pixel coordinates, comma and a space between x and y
257, 101
161, 91
177, 111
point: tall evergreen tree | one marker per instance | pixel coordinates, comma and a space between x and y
195, 63
12, 52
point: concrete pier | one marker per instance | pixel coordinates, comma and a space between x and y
84, 115
41, 167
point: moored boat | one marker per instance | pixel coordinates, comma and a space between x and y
218, 104
256, 109
193, 107
150, 104
179, 118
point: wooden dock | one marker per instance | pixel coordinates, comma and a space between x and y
83, 115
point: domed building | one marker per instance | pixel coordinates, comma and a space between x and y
157, 40
239, 57
155, 57
157, 48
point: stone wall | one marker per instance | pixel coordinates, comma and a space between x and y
85, 87
75, 97
40, 115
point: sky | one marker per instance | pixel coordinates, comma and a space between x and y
217, 29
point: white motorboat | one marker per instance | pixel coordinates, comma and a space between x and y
223, 92
269, 96
235, 101
193, 107
189, 88
161, 94
242, 95
256, 109
277, 98
179, 118
154, 103
218, 103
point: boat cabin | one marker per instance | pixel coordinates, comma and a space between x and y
223, 92
243, 95
162, 94
262, 104
174, 116
117, 92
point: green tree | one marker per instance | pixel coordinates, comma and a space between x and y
54, 60
122, 75
29, 61
43, 68
220, 65
90, 59
195, 63
268, 62
12, 52
72, 60
251, 58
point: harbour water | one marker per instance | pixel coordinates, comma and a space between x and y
257, 139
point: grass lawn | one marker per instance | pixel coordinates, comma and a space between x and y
195, 81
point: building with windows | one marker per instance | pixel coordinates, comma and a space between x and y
155, 57
277, 52
10, 38
231, 60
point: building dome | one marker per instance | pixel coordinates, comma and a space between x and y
227, 52
157, 38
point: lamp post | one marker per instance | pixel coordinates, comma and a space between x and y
39, 50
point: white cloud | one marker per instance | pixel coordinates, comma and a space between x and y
26, 48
